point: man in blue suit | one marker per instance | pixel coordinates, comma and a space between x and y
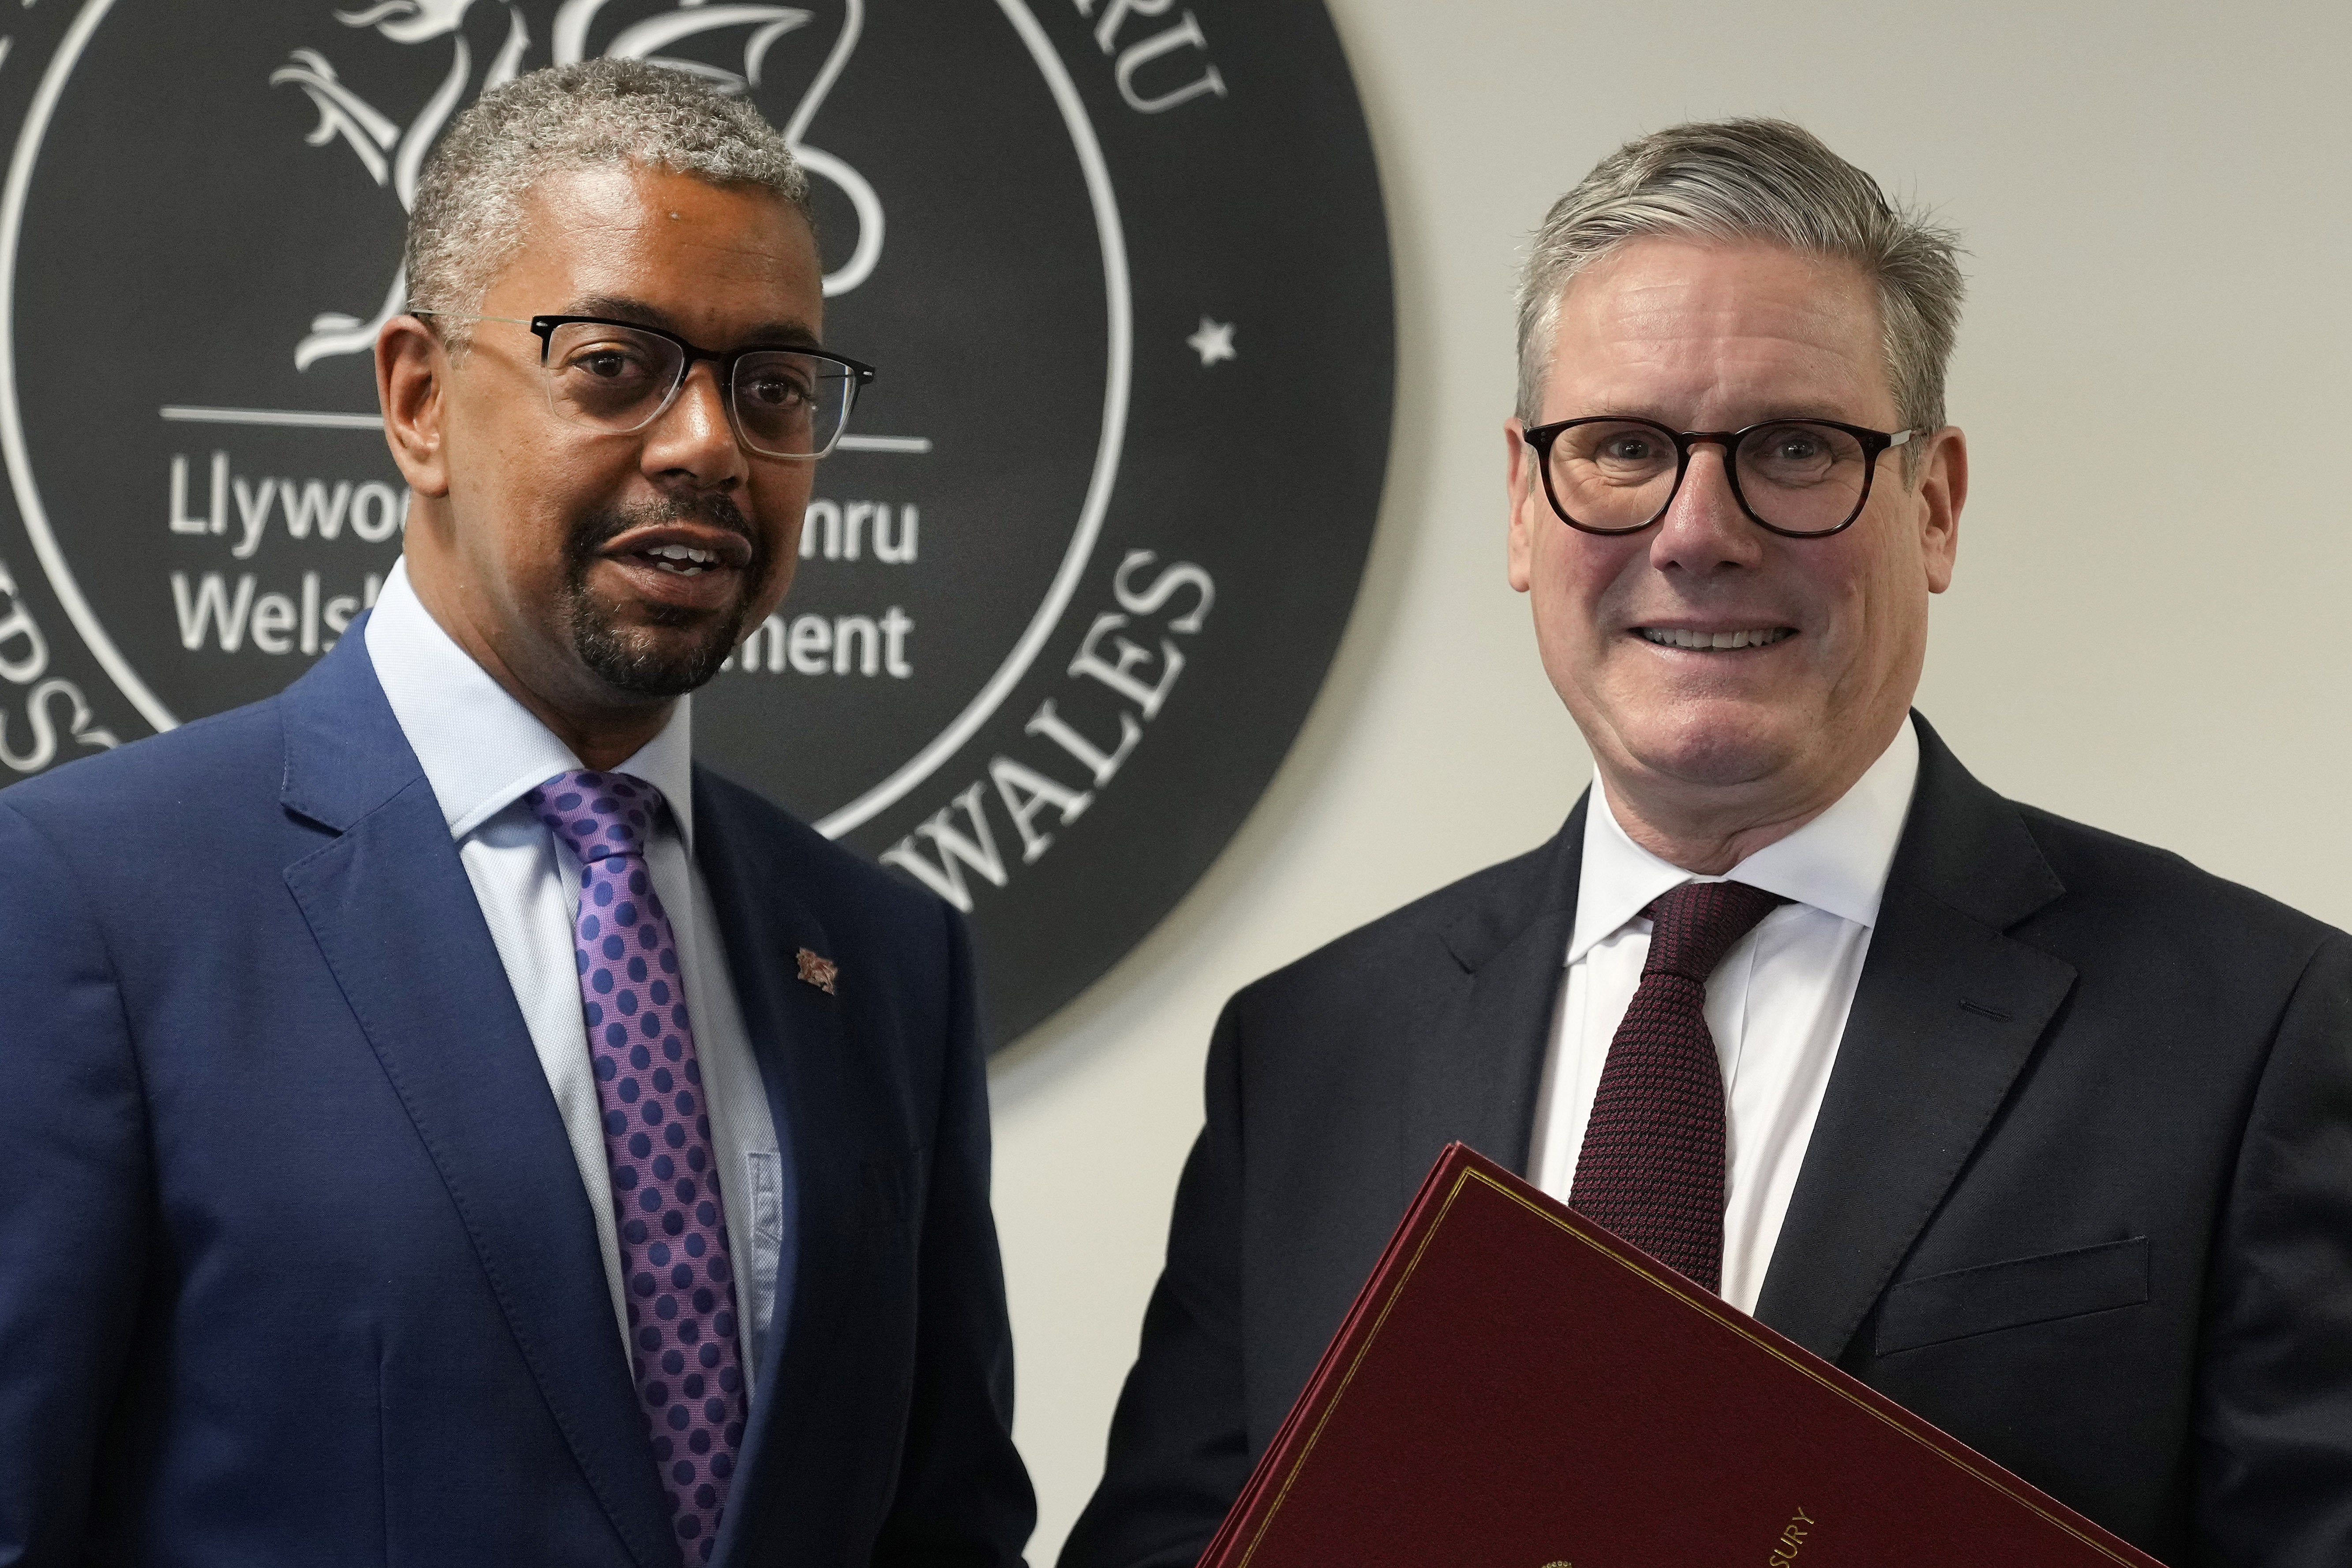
445, 1125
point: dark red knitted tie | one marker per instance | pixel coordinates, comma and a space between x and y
1651, 1166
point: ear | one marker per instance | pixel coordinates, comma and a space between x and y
412, 373
1943, 491
1522, 484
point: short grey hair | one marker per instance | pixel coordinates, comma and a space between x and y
465, 224
1754, 179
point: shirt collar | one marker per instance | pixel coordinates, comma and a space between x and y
1837, 862
482, 750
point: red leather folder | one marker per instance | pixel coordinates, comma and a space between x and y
1516, 1388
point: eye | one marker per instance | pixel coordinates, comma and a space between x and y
1799, 453
773, 386
1626, 453
613, 361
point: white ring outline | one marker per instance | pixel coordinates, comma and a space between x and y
1120, 309
12, 426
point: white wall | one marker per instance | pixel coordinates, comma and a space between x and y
2146, 633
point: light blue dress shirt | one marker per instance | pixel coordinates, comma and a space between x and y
481, 750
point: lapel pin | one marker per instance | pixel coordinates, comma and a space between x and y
818, 972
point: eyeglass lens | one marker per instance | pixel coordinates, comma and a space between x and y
785, 404
1796, 476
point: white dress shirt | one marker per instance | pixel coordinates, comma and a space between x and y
481, 750
1776, 1005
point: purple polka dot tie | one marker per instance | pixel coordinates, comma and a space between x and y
1650, 1168
666, 1200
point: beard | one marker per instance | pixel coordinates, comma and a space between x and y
642, 660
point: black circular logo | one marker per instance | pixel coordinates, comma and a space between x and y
1065, 591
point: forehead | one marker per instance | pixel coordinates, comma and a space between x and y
1709, 331
712, 259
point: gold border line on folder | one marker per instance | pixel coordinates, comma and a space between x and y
1690, 1298
1350, 1376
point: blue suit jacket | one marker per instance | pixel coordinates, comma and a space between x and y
296, 1266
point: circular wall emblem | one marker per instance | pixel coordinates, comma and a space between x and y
1066, 592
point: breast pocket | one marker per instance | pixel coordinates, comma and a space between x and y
2012, 1294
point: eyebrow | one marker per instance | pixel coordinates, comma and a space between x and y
626, 308
1818, 412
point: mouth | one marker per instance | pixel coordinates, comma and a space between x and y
685, 566
1714, 641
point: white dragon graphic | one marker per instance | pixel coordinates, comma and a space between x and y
392, 152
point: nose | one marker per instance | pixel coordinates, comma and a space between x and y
1703, 531
693, 442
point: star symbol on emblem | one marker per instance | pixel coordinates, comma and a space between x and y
818, 972
1214, 342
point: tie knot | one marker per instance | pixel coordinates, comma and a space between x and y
1692, 926
598, 814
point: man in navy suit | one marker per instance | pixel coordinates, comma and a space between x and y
445, 1125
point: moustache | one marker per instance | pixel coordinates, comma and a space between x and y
592, 532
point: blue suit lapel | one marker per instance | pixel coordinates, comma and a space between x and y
798, 1037
397, 920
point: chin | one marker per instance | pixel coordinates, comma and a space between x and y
654, 662
1714, 744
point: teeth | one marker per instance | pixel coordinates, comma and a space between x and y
683, 560
1712, 641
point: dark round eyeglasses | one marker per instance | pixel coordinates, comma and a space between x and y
1800, 478
620, 376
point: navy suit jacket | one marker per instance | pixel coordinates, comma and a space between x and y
296, 1265
2080, 1191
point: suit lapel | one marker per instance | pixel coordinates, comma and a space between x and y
397, 920
1947, 1012
798, 1037
1476, 1081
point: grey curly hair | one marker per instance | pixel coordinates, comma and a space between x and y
1754, 179
467, 222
